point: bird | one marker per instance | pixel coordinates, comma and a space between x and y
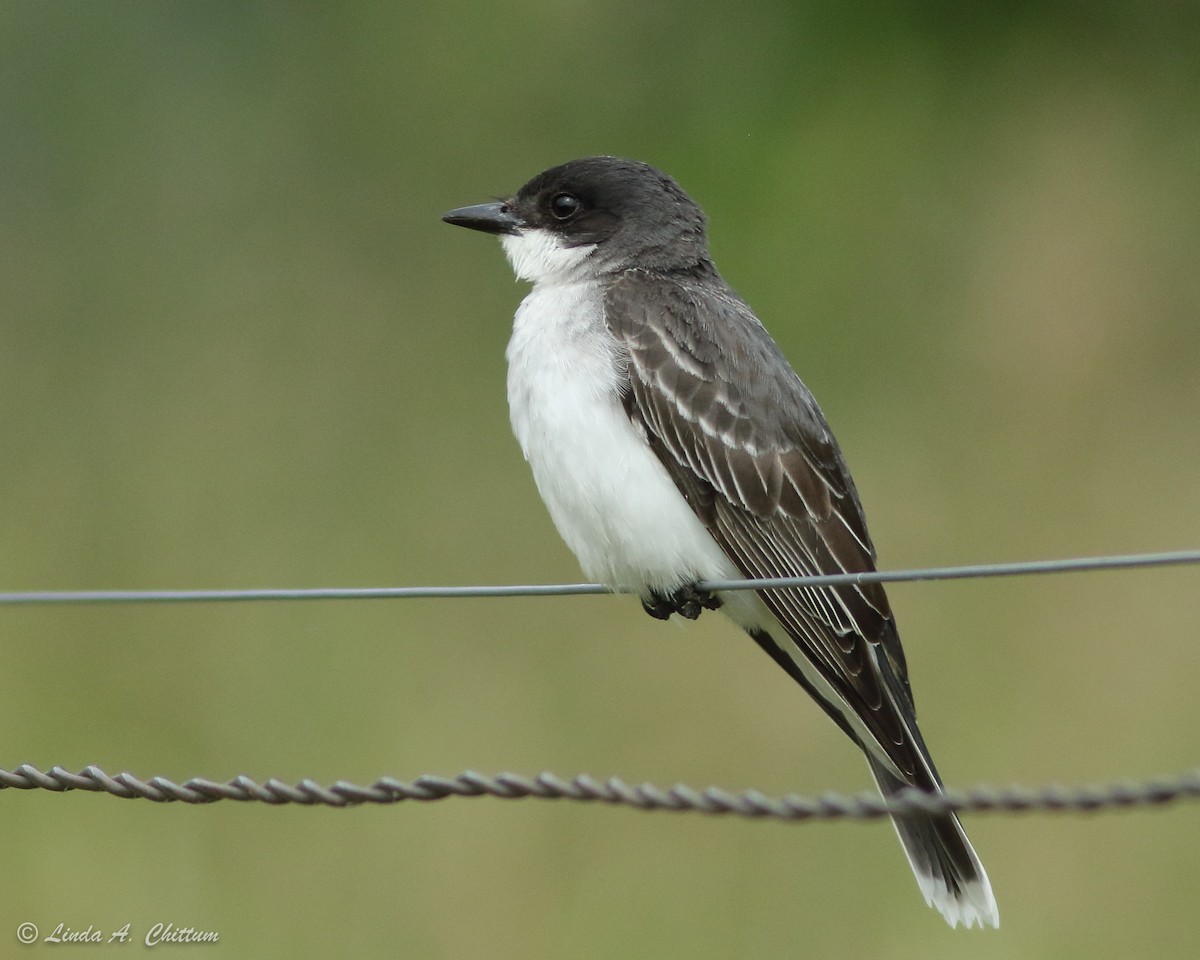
673, 444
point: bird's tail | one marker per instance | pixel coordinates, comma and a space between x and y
949, 873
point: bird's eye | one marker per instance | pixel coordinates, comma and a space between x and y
564, 206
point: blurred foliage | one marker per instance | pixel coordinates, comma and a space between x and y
239, 349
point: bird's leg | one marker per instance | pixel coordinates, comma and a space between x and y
687, 601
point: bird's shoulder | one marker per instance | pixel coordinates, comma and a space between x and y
713, 384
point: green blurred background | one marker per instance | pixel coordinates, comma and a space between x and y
238, 349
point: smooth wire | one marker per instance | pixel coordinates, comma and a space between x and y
975, 571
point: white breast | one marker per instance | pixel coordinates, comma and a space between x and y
611, 499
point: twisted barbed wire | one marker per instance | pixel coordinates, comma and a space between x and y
614, 791
970, 571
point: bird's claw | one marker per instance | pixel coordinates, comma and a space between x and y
687, 601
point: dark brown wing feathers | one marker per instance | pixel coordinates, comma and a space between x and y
747, 445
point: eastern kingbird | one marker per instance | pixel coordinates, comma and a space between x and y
673, 444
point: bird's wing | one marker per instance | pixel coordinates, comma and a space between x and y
748, 447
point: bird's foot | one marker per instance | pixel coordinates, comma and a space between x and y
687, 601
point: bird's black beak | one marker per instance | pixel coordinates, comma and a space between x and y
489, 217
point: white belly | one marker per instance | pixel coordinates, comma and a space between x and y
610, 498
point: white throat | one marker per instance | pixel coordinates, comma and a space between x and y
541, 257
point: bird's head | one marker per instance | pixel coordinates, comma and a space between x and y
591, 217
